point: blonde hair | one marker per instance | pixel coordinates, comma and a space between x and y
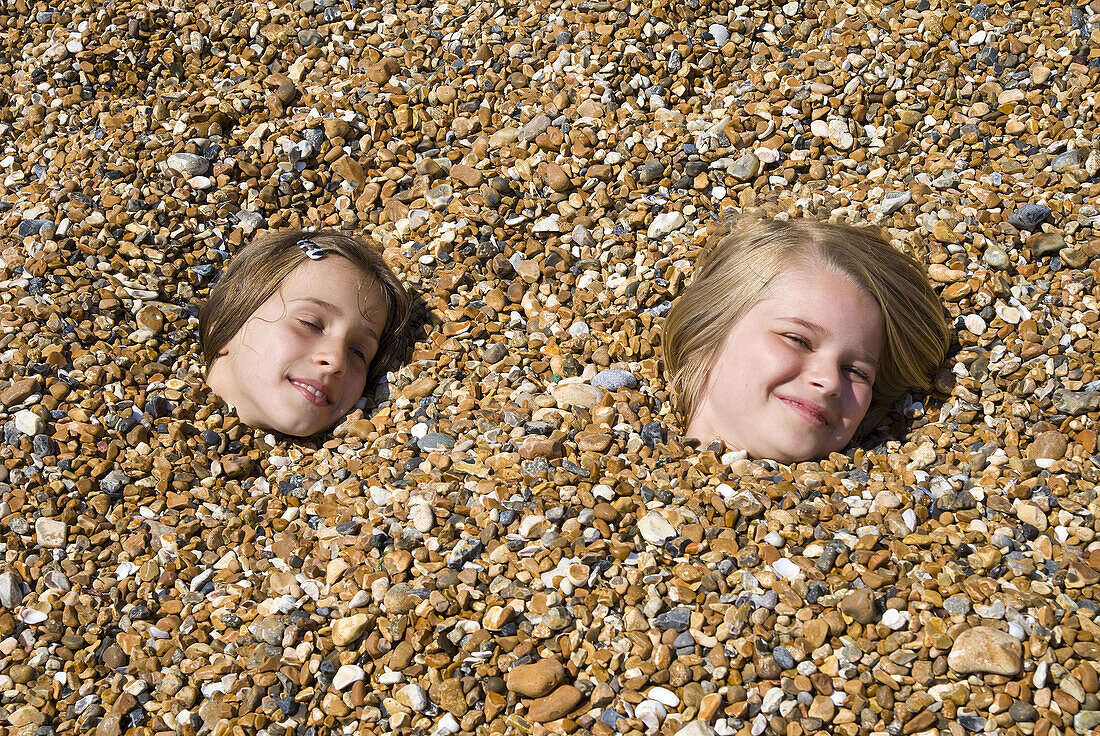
258, 271
743, 257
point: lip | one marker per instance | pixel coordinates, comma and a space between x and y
810, 411
304, 386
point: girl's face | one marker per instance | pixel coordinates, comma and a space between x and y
793, 379
299, 364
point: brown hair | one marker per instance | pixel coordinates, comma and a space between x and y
740, 261
258, 271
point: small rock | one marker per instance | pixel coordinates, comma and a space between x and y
347, 630
893, 201
18, 391
1045, 244
665, 223
860, 605
555, 705
28, 422
1076, 403
414, 697
346, 675
438, 197
1065, 161
11, 590
436, 442
697, 727
536, 679
614, 379
1049, 445
51, 533
996, 257
576, 392
1029, 216
188, 164
986, 650
747, 167
655, 528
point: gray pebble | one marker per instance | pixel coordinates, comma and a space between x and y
1029, 216
614, 379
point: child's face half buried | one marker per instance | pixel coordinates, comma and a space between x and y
299, 364
793, 379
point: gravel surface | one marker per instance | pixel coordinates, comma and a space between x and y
515, 538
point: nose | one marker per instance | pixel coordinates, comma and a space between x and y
331, 354
825, 376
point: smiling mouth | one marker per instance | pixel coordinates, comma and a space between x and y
314, 392
810, 412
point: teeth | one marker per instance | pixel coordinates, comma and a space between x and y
312, 390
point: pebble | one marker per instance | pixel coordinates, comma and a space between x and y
536, 679
557, 704
51, 533
665, 223
1029, 216
11, 590
985, 650
655, 528
614, 379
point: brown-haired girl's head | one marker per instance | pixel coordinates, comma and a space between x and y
797, 335
299, 325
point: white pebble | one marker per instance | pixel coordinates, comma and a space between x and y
665, 697
651, 713
422, 518
786, 569
27, 422
895, 619
974, 324
346, 675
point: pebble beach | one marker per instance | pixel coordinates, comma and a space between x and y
512, 536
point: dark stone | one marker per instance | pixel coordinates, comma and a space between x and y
678, 618
1029, 216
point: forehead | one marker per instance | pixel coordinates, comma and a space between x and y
338, 282
826, 299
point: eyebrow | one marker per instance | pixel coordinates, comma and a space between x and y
327, 306
819, 330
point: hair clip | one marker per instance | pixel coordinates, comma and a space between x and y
313, 251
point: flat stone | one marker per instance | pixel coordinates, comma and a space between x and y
536, 679
346, 630
860, 605
747, 167
697, 727
347, 675
1049, 445
1029, 216
556, 705
11, 590
577, 392
893, 201
188, 164
51, 533
18, 391
614, 379
986, 650
1045, 244
665, 223
655, 528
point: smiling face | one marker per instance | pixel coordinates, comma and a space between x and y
793, 378
299, 363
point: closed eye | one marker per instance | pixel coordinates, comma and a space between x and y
310, 324
796, 339
859, 374
358, 352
